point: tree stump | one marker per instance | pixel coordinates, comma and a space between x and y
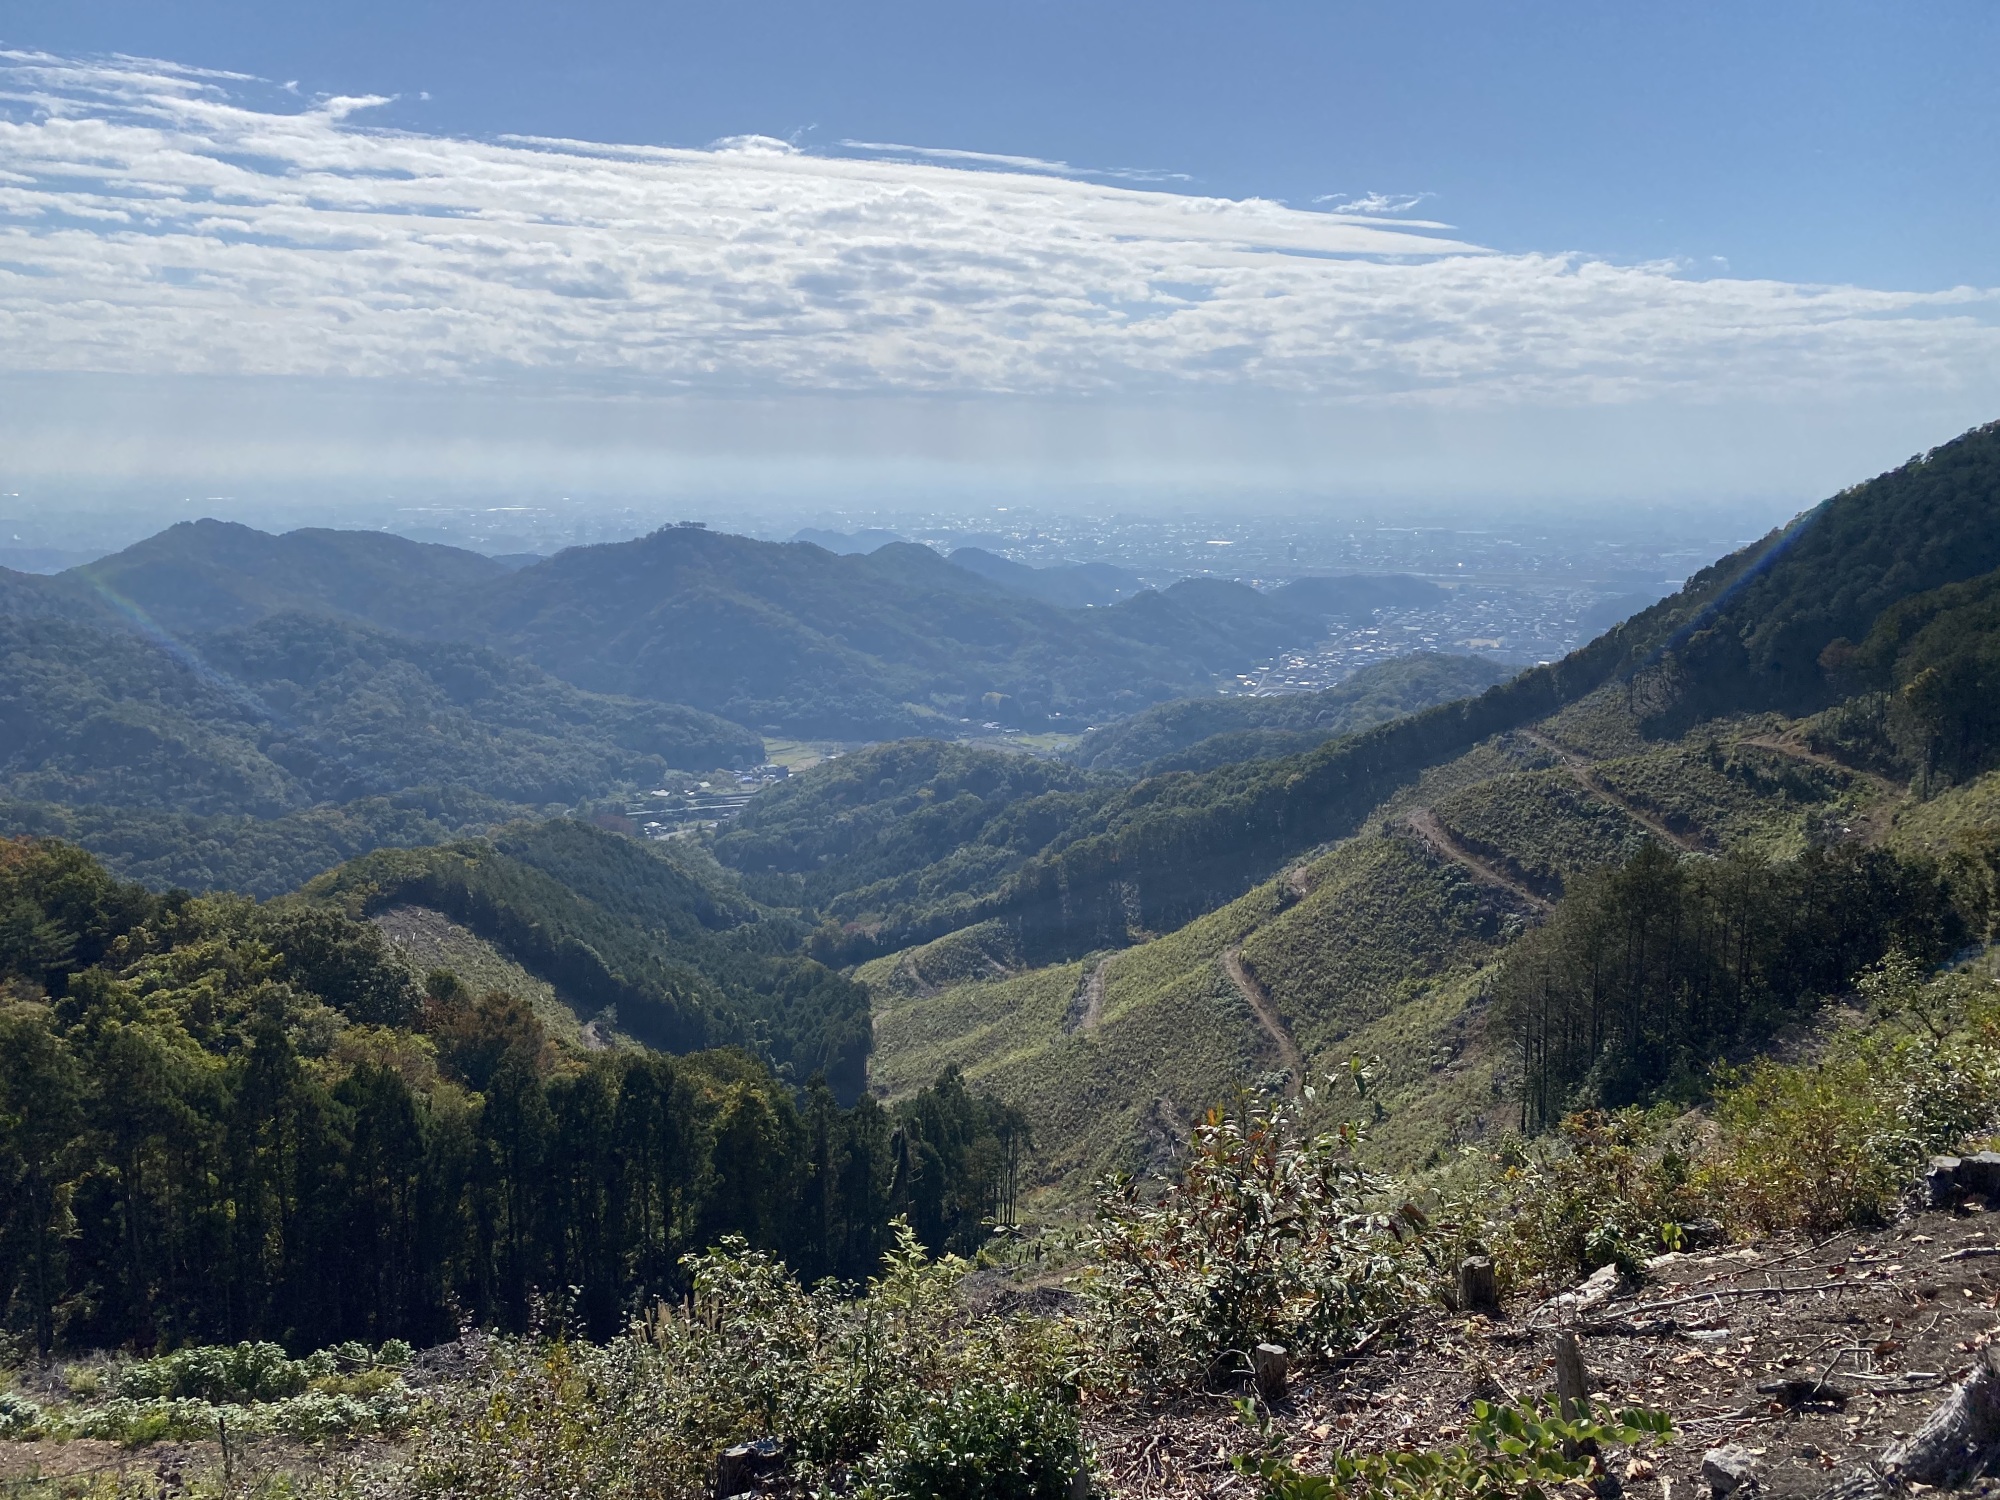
1269, 1363
1478, 1286
1572, 1385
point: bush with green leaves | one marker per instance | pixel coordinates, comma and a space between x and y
1271, 1235
1605, 1188
19, 1417
854, 1387
253, 1372
1836, 1141
217, 1373
985, 1442
1510, 1453
308, 1417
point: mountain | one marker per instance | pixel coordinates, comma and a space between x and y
893, 642
1196, 734
206, 575
1748, 633
299, 709
1074, 586
1497, 877
784, 637
217, 759
868, 539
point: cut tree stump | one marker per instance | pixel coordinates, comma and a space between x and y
1269, 1362
1478, 1286
1572, 1385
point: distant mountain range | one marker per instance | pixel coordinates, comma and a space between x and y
783, 638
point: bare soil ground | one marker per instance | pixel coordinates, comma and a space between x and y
1871, 1330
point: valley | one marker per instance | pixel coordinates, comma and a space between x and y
453, 931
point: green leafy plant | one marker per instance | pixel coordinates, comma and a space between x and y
1271, 1235
982, 1443
1524, 1452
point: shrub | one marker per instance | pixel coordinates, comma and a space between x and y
1822, 1145
848, 1384
218, 1373
1606, 1189
19, 1417
985, 1442
1270, 1236
1509, 1453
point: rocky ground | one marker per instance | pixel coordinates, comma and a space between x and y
1810, 1358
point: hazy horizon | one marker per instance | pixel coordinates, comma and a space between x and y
224, 281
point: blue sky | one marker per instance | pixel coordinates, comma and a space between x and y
1552, 250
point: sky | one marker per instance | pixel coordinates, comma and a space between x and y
1180, 254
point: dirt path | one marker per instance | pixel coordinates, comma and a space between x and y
907, 969
1424, 823
1579, 766
1875, 822
1086, 1010
1255, 996
1812, 757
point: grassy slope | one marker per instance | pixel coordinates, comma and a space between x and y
430, 940
1380, 946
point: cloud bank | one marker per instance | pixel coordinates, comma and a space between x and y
157, 220
205, 274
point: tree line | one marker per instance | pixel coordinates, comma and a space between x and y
1651, 971
225, 1120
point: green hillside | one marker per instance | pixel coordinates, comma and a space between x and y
641, 939
256, 757
226, 1120
783, 638
202, 576
298, 710
1200, 734
1470, 871
896, 641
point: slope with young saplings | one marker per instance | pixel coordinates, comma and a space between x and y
1710, 878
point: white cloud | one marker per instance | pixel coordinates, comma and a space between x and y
154, 221
1372, 203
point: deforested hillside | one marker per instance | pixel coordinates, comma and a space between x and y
1575, 887
1732, 640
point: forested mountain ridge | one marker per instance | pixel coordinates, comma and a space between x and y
257, 756
207, 575
774, 636
635, 938
226, 1120
298, 709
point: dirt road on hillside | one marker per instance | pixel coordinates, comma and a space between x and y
1086, 1009
1579, 766
1259, 1000
1424, 823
